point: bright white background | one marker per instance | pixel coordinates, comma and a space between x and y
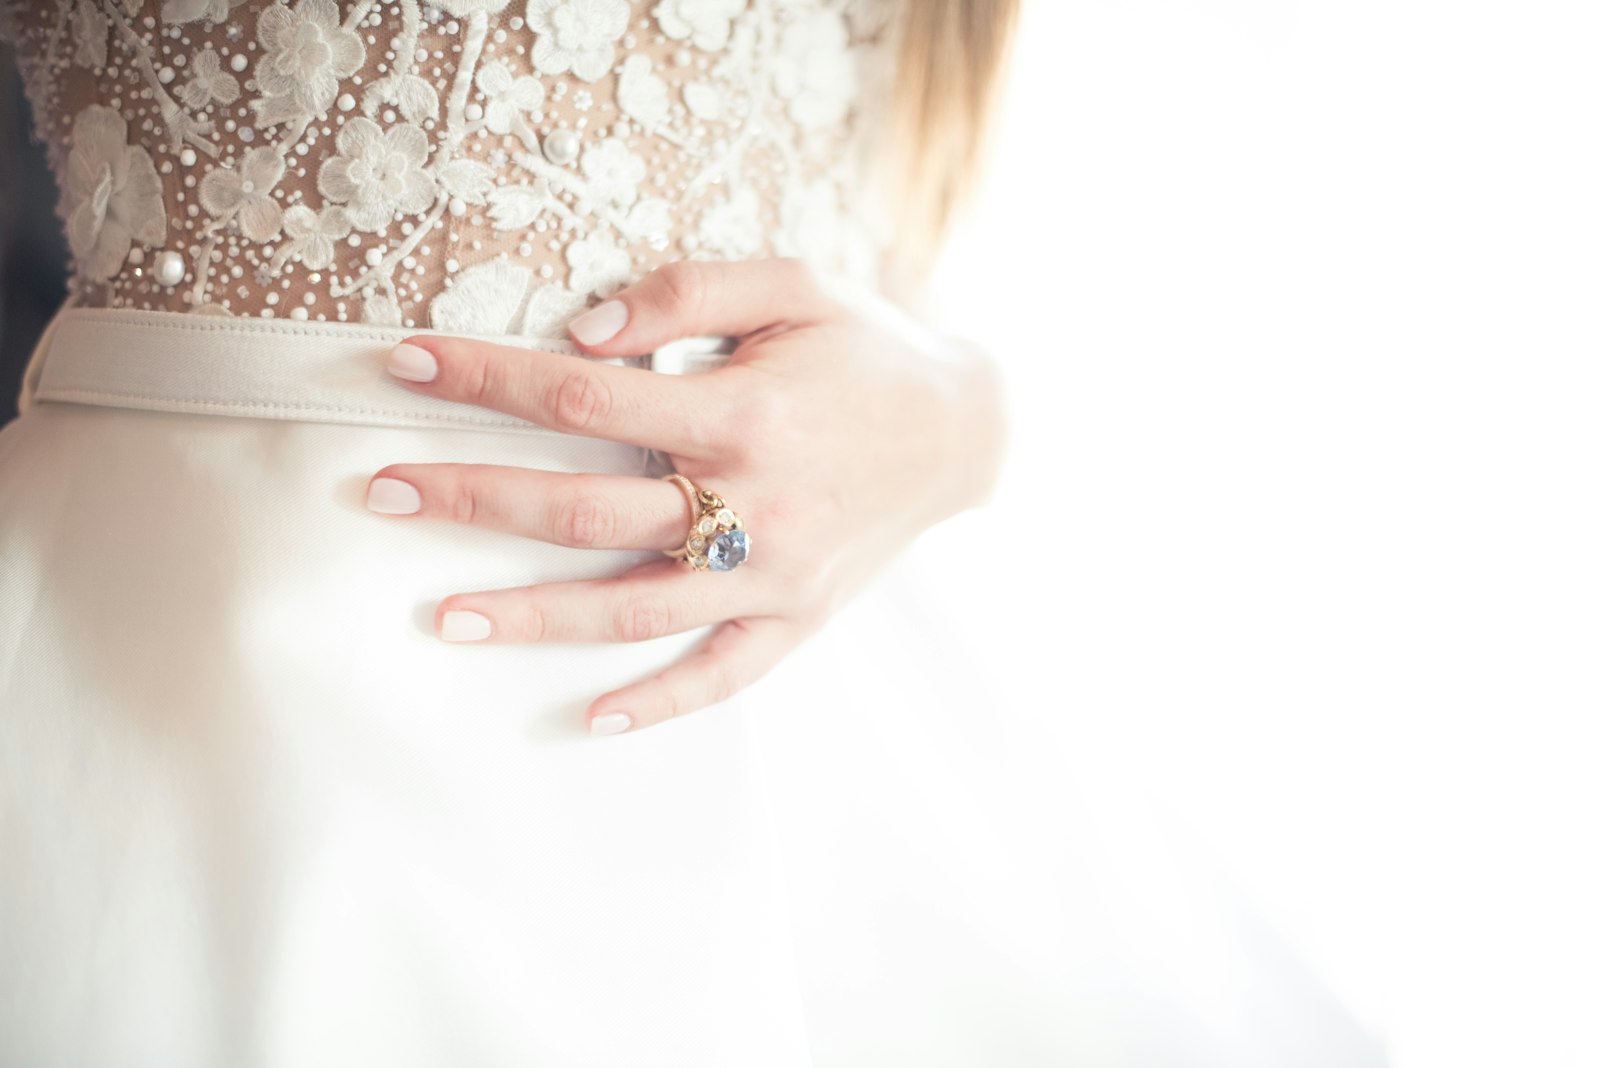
1301, 532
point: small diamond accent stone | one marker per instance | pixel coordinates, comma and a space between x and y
725, 518
729, 550
707, 525
697, 544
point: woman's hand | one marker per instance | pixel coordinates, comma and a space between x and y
838, 430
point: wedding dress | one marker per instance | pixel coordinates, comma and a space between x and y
252, 811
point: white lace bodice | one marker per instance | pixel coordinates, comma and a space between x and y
484, 166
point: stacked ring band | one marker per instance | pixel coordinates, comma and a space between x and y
717, 540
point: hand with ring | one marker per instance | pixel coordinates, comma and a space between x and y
836, 433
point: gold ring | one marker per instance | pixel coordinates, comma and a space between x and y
717, 540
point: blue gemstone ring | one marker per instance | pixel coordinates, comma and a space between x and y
717, 540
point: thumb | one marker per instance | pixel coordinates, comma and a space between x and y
688, 297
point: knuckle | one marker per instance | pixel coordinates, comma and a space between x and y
673, 703
586, 521
683, 287
465, 506
534, 624
579, 402
481, 381
641, 619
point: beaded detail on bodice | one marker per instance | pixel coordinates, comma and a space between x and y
484, 166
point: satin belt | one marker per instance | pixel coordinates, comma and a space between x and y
275, 368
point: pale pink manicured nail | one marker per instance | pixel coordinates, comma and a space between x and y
412, 363
462, 626
610, 723
600, 324
393, 497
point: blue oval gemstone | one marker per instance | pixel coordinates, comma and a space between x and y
728, 550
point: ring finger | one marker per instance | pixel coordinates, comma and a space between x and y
584, 511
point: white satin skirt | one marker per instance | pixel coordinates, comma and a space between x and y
253, 812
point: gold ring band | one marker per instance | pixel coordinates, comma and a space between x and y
693, 494
717, 539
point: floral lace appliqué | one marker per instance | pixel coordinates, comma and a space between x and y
491, 166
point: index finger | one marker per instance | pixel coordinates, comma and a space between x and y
677, 414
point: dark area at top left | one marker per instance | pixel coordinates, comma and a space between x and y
33, 253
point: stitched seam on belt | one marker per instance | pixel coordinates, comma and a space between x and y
58, 393
291, 326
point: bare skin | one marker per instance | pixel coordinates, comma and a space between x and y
839, 430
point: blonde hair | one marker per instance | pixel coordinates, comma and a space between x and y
952, 55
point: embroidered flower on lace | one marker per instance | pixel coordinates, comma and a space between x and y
640, 94
307, 53
704, 100
245, 193
515, 207
509, 96
89, 26
312, 234
614, 173
462, 8
481, 300
704, 23
416, 100
380, 309
208, 82
180, 11
550, 308
378, 173
113, 194
650, 221
597, 266
732, 227
812, 70
576, 35
466, 181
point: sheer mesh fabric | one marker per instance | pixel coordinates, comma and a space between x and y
488, 166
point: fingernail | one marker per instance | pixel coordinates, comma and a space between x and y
462, 626
393, 497
610, 723
412, 363
601, 323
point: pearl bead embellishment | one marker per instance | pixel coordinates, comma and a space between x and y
561, 147
169, 268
